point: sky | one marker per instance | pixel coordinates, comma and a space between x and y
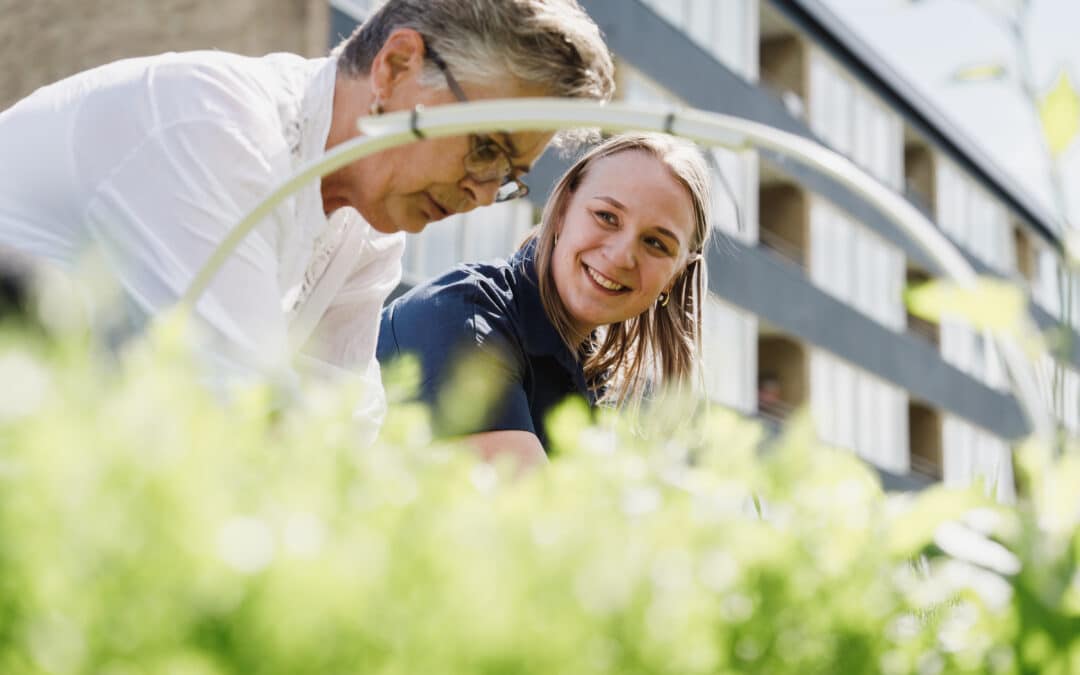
927, 41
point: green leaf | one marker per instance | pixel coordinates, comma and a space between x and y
566, 422
1059, 112
913, 530
980, 72
989, 304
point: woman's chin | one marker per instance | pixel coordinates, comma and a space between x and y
389, 224
388, 227
586, 320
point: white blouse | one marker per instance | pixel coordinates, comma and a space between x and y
151, 161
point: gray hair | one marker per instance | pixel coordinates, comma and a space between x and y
552, 43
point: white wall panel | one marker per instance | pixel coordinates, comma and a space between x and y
847, 415
970, 453
854, 122
358, 9
727, 29
855, 410
729, 346
824, 406
1069, 412
739, 171
1060, 389
862, 130
486, 233
819, 94
839, 128
855, 265
701, 23
867, 284
1045, 285
971, 352
496, 231
973, 219
674, 11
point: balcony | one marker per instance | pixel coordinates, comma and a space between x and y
772, 409
784, 221
783, 65
924, 437
782, 247
917, 326
923, 329
782, 377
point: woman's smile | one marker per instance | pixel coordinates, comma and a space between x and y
604, 282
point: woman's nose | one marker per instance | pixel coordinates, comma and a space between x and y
620, 250
482, 193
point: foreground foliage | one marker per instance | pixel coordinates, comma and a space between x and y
150, 526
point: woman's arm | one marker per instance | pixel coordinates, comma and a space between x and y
521, 448
459, 330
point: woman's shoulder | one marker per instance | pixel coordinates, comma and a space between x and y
472, 305
467, 288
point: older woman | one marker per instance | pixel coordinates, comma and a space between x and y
603, 299
151, 161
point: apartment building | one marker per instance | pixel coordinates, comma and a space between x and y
806, 287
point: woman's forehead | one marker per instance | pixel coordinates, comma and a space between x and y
641, 177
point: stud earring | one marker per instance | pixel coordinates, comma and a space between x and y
662, 299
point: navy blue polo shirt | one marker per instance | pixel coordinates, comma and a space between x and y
494, 310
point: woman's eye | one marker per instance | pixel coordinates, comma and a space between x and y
606, 217
658, 244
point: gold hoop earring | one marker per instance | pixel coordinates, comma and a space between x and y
662, 299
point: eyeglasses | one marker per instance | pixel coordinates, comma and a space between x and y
488, 160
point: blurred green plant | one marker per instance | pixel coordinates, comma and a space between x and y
148, 525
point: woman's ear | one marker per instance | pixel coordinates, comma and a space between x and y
692, 258
675, 279
400, 60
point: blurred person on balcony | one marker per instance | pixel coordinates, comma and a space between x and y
602, 301
151, 161
770, 397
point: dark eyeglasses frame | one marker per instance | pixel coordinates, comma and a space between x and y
511, 187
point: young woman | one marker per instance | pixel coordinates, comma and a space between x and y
603, 299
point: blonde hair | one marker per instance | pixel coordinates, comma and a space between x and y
665, 340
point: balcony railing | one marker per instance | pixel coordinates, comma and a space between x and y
925, 467
923, 329
919, 199
784, 248
774, 410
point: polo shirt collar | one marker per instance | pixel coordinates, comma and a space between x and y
539, 336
